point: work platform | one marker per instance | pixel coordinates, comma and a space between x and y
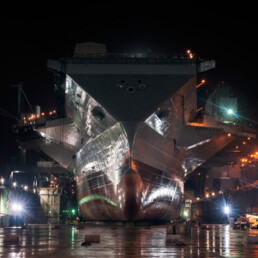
121, 241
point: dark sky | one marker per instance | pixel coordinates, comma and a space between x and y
228, 36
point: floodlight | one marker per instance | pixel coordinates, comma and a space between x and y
230, 111
227, 209
17, 207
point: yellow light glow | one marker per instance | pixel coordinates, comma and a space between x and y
244, 142
201, 83
229, 134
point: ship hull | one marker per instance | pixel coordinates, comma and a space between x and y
134, 198
125, 133
123, 182
122, 134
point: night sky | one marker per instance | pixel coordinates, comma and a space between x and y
229, 37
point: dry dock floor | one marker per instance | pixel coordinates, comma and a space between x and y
131, 241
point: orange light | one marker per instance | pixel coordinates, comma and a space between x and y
243, 160
256, 153
248, 138
42, 114
38, 116
54, 111
191, 56
244, 142
50, 113
199, 109
188, 51
242, 165
201, 83
229, 134
236, 147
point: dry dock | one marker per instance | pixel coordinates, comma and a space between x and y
121, 241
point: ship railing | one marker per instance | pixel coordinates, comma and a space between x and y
241, 126
24, 124
37, 122
131, 58
133, 55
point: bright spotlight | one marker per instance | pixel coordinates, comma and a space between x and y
230, 111
185, 213
17, 207
227, 210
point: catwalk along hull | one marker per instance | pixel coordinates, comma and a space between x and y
123, 135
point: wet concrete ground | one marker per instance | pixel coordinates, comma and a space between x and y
46, 241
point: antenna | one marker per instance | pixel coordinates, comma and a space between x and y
21, 91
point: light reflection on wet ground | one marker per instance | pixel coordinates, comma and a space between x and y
45, 241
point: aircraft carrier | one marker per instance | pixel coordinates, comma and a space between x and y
126, 128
